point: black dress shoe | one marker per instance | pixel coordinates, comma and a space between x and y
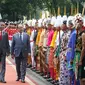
34, 70
49, 79
46, 77
23, 81
53, 81
29, 66
41, 74
17, 79
56, 82
38, 72
3, 81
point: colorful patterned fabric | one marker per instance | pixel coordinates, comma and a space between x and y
51, 57
79, 42
76, 61
50, 36
77, 55
42, 37
64, 73
45, 41
56, 68
57, 51
29, 58
38, 36
56, 59
29, 32
38, 60
58, 43
53, 39
59, 36
43, 53
47, 54
51, 63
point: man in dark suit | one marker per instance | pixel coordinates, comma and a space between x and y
20, 49
4, 51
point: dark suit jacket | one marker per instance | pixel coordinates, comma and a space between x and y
19, 46
4, 44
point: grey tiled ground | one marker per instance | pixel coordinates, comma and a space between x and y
37, 78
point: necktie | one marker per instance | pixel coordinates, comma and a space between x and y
20, 36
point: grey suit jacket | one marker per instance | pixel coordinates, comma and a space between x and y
4, 44
19, 46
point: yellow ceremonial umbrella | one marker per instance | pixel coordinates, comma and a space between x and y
58, 10
64, 10
71, 9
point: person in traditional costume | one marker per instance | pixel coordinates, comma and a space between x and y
82, 23
82, 60
35, 48
37, 45
42, 56
28, 31
49, 39
32, 44
45, 67
79, 56
28, 27
57, 50
51, 54
64, 73
71, 49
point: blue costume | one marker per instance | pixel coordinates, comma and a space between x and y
71, 54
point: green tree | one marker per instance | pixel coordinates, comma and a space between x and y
16, 9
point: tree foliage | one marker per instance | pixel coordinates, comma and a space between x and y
16, 9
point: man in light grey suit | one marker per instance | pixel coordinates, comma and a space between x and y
4, 51
20, 49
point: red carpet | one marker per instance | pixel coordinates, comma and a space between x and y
11, 76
